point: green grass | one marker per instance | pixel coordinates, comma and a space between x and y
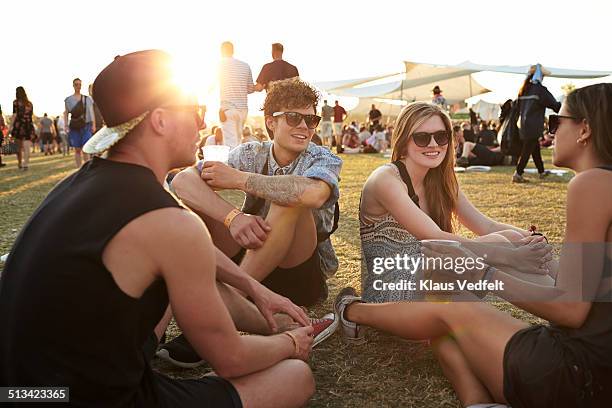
383, 371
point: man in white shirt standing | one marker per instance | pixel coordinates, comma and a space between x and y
326, 124
236, 82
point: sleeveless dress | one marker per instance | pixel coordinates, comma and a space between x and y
383, 237
23, 127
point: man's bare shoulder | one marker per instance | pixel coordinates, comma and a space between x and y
167, 225
152, 244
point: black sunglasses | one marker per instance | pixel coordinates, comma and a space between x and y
555, 120
199, 112
423, 139
295, 118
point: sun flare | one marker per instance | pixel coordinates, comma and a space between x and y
195, 77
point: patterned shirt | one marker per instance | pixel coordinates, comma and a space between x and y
236, 82
315, 162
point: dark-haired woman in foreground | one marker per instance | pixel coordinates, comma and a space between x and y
488, 355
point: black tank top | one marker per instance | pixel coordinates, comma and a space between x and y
593, 340
63, 319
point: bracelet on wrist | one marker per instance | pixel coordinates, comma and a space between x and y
295, 342
230, 217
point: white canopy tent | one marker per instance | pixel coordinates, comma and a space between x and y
418, 80
487, 110
415, 84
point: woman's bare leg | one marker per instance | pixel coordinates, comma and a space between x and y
19, 151
480, 330
26, 152
469, 389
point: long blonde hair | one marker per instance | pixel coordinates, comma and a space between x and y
441, 187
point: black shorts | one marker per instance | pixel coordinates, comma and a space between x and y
303, 284
207, 391
485, 157
46, 137
543, 369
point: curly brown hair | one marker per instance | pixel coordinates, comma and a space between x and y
290, 94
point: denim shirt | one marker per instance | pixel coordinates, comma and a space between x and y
315, 162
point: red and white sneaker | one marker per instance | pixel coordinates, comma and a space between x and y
324, 327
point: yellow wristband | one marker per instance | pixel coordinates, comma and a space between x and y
230, 217
295, 342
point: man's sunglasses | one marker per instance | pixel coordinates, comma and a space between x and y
423, 139
555, 120
295, 118
199, 112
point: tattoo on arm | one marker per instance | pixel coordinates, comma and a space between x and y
283, 190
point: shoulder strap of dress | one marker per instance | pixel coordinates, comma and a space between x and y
406, 179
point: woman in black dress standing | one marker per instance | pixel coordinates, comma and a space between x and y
533, 100
22, 128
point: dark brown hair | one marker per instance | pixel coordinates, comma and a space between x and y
290, 94
593, 103
526, 85
441, 186
20, 94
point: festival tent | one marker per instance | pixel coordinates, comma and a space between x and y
389, 108
418, 80
417, 83
487, 110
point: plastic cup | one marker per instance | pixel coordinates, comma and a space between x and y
437, 297
219, 153
448, 242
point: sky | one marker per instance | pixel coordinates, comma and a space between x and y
47, 44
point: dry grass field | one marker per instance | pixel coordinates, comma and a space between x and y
383, 371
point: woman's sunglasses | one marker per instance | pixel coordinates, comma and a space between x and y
295, 118
555, 120
423, 139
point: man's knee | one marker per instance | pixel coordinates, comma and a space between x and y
287, 213
303, 379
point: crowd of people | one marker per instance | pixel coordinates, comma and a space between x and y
477, 140
58, 135
146, 251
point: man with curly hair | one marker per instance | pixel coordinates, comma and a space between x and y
281, 235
